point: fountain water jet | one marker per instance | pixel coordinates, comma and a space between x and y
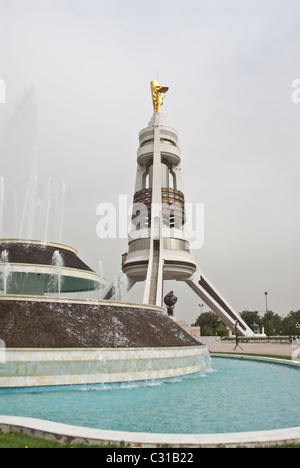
40, 217
120, 287
48, 208
101, 274
61, 212
58, 262
16, 213
2, 186
6, 270
29, 208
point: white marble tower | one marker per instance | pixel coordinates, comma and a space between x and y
158, 244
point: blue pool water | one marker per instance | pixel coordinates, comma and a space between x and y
232, 396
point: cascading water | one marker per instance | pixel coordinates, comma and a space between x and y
39, 217
120, 288
58, 263
5, 273
101, 274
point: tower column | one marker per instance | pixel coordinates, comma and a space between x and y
154, 280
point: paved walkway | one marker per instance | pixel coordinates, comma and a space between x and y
274, 349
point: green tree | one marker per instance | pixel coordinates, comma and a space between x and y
272, 323
289, 324
268, 323
211, 325
221, 329
252, 318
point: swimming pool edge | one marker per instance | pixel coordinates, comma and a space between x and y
253, 357
74, 435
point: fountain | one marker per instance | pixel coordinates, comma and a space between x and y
48, 206
40, 217
62, 342
1, 203
76, 341
4, 262
38, 268
4, 257
58, 263
120, 287
87, 341
29, 209
100, 292
61, 211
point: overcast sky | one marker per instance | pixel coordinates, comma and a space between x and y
77, 75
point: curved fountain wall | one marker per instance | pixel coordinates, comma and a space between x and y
56, 341
35, 267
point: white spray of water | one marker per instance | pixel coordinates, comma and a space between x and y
38, 217
101, 274
101, 269
48, 207
58, 262
29, 209
6, 271
4, 256
16, 212
32, 204
2, 186
55, 207
61, 212
120, 288
58, 211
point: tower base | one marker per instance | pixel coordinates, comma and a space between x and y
200, 284
216, 302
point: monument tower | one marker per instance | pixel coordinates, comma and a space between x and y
158, 244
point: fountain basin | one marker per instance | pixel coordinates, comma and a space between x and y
210, 409
56, 341
50, 367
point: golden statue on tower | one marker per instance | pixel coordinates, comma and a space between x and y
157, 98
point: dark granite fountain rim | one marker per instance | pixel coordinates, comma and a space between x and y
29, 242
36, 252
73, 300
52, 323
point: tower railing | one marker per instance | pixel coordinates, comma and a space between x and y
173, 211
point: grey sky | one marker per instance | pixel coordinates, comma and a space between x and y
77, 74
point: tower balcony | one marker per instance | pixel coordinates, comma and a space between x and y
168, 151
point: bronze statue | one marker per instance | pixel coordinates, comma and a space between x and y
170, 301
